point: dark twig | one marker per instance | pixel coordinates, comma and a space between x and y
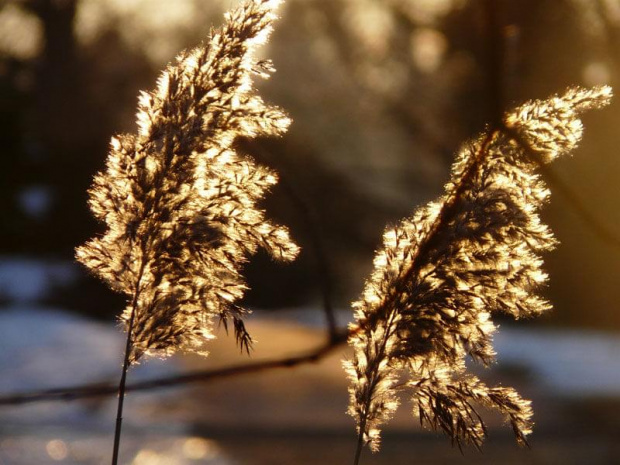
72, 393
323, 267
311, 224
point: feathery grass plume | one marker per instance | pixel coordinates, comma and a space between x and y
178, 201
443, 272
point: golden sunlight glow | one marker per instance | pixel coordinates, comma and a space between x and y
612, 8
371, 23
428, 47
596, 73
146, 457
57, 450
199, 449
155, 26
20, 33
428, 11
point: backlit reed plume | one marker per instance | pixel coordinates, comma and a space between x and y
442, 272
180, 204
178, 201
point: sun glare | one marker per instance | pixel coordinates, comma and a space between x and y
428, 47
20, 33
428, 11
154, 26
57, 450
199, 449
596, 73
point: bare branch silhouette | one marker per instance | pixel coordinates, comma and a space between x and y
72, 393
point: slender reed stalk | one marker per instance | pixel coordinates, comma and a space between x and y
126, 364
121, 393
360, 442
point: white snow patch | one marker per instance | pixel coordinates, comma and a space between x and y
28, 280
566, 363
43, 348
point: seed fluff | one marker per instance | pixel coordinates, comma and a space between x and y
442, 272
180, 203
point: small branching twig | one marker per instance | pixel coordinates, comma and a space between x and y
323, 268
72, 393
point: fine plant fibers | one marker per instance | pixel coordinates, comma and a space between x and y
179, 202
442, 272
180, 208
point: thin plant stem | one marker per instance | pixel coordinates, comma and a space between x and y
121, 393
126, 365
308, 215
360, 443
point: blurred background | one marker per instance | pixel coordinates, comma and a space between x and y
381, 93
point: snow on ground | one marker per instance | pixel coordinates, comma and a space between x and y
571, 363
25, 279
44, 348
49, 347
566, 363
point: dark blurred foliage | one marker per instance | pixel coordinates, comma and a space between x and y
381, 92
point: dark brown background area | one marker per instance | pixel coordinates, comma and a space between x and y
382, 93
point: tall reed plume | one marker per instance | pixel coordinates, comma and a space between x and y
180, 204
442, 272
178, 201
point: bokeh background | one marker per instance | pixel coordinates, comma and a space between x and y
381, 93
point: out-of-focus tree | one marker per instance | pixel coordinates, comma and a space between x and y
381, 93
